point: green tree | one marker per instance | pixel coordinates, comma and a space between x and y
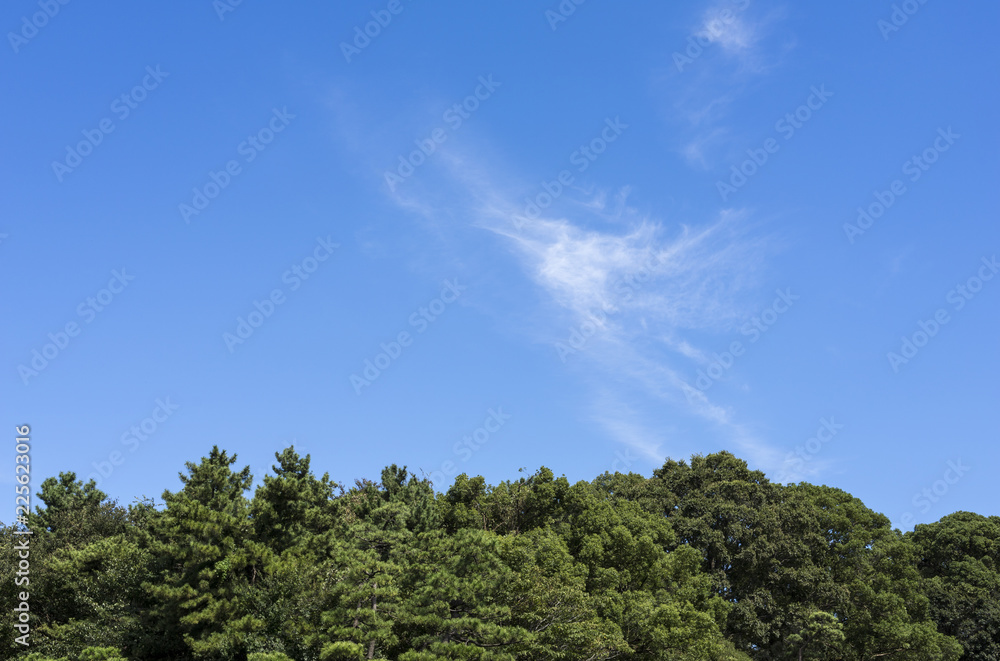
706, 561
454, 609
364, 557
99, 588
881, 605
292, 506
779, 554
959, 556
547, 596
86, 569
822, 639
509, 507
663, 604
76, 513
203, 545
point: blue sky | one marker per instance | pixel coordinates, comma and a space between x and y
481, 238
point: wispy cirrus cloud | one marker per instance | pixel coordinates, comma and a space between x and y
650, 292
729, 49
689, 280
731, 30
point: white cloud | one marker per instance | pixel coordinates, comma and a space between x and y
729, 48
682, 347
657, 291
690, 280
735, 35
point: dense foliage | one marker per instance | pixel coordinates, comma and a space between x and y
703, 560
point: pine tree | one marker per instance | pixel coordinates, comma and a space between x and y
365, 558
455, 607
203, 544
76, 513
292, 505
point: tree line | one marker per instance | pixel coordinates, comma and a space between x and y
706, 560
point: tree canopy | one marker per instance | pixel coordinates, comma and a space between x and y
702, 560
